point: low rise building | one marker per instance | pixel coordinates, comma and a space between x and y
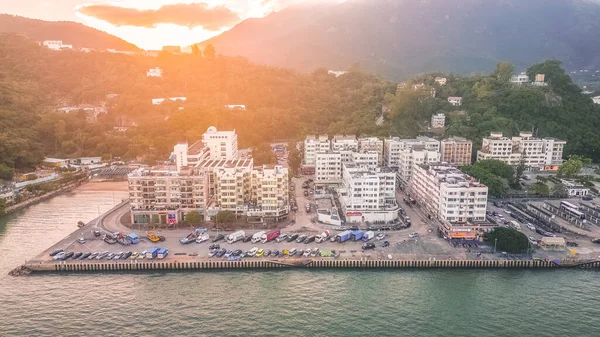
393, 147
157, 101
449, 195
438, 121
56, 45
575, 189
441, 80
154, 72
7, 192
520, 79
412, 156
540, 80
596, 100
328, 168
455, 100
344, 142
456, 151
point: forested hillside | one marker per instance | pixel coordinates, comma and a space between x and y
281, 104
72, 33
400, 38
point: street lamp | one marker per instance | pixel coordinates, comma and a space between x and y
495, 241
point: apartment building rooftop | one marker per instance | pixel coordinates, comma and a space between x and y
196, 148
450, 175
344, 137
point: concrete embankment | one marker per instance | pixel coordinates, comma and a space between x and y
41, 198
173, 265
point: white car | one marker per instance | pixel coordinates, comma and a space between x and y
281, 237
252, 251
507, 211
380, 236
530, 226
202, 238
307, 252
81, 240
413, 235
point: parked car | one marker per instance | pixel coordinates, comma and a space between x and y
276, 253
81, 240
56, 251
292, 252
252, 252
301, 238
368, 246
214, 246
597, 240
218, 238
281, 237
260, 252
267, 253
413, 235
77, 255
292, 237
385, 244
380, 236
247, 238
309, 239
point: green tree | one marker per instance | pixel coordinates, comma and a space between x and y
294, 160
32, 176
194, 218
540, 188
196, 50
2, 206
263, 155
504, 71
6, 173
559, 191
507, 240
209, 51
225, 217
570, 167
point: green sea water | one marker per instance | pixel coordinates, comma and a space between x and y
276, 303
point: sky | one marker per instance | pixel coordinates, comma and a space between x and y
150, 24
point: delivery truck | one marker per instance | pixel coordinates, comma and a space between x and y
151, 253
272, 235
235, 237
357, 235
162, 253
344, 236
368, 236
257, 236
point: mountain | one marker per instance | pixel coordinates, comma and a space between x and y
72, 33
400, 37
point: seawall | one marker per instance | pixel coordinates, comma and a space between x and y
166, 265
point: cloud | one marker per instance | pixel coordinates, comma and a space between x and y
191, 15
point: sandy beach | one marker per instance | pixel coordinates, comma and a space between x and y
103, 186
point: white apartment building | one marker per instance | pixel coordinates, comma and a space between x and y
372, 144
312, 145
456, 151
207, 178
344, 142
522, 78
222, 144
328, 168
394, 146
368, 194
446, 193
455, 100
365, 159
534, 152
154, 72
438, 121
410, 157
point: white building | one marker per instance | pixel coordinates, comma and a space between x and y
154, 72
56, 45
328, 167
441, 80
522, 78
596, 100
540, 80
446, 193
208, 178
534, 152
7, 192
336, 73
575, 189
438, 121
368, 194
394, 146
372, 144
157, 101
312, 145
344, 142
455, 100
236, 107
412, 156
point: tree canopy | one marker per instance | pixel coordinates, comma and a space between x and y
507, 240
495, 174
